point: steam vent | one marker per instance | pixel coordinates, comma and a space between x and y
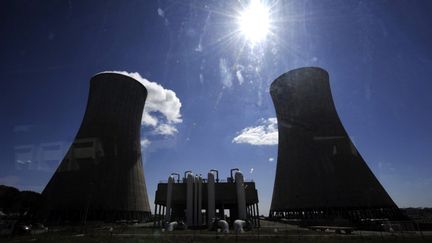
319, 174
101, 177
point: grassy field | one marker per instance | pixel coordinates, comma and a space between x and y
198, 239
270, 232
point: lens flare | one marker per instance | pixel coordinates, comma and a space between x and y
254, 21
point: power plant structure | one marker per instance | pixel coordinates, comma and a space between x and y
200, 202
101, 177
320, 174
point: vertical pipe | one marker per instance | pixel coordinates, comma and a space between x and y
241, 196
210, 198
169, 199
189, 199
258, 216
222, 211
159, 215
195, 204
217, 174
254, 217
155, 216
199, 206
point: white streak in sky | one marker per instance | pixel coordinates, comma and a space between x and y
225, 73
239, 74
199, 47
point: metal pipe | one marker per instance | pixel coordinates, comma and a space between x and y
178, 176
210, 198
195, 205
239, 226
169, 198
257, 212
159, 215
217, 174
189, 199
254, 216
199, 206
171, 226
223, 224
231, 172
155, 216
186, 172
241, 195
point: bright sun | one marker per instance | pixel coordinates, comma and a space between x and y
254, 21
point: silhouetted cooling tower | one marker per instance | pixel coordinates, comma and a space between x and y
319, 174
101, 176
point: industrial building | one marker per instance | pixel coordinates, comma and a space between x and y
200, 202
101, 177
320, 173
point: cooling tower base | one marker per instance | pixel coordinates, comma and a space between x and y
82, 216
351, 215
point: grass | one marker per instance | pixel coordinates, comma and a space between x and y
63, 237
266, 234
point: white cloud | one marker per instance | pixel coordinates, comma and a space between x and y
201, 78
225, 73
265, 133
145, 143
239, 74
149, 120
162, 106
240, 77
271, 159
161, 12
251, 170
166, 129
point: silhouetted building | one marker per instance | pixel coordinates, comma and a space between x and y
320, 173
199, 202
101, 177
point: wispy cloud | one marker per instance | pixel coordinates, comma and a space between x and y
145, 143
271, 159
166, 129
265, 133
225, 73
161, 13
239, 74
162, 106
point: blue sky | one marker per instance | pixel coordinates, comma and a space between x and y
378, 54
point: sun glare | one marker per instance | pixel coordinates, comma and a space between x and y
254, 21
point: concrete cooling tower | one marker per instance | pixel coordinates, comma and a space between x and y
101, 177
320, 173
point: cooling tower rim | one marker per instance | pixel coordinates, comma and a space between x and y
294, 72
118, 73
